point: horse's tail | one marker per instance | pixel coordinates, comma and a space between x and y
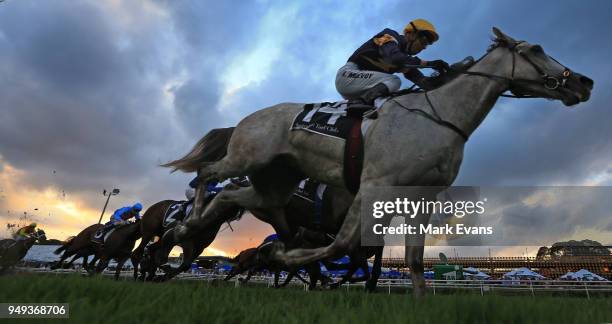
65, 245
211, 148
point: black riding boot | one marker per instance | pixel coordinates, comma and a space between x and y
357, 107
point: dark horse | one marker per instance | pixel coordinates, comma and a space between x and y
79, 246
157, 255
12, 251
250, 260
117, 246
287, 221
151, 226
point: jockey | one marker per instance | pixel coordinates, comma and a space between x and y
212, 189
24, 232
369, 72
122, 215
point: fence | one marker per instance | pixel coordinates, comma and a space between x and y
483, 287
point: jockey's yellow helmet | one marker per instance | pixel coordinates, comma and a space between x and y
422, 26
33, 224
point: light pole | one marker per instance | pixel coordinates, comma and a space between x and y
109, 194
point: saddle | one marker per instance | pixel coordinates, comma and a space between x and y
331, 119
102, 234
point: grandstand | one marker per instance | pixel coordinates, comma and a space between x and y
497, 266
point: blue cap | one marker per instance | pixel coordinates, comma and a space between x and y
137, 207
194, 183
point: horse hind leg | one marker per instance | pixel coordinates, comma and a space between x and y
272, 187
414, 257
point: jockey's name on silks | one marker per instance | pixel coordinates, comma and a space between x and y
357, 75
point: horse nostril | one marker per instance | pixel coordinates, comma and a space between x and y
587, 82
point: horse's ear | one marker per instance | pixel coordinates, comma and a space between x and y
503, 37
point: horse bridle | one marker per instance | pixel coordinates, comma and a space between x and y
550, 82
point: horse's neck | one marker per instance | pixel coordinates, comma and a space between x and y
133, 231
467, 100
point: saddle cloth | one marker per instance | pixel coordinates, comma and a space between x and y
101, 236
330, 119
174, 212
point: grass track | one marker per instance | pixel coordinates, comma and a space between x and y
101, 300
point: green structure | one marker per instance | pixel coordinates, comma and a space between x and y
448, 272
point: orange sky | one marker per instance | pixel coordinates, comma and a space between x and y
63, 214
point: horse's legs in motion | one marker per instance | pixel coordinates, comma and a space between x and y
92, 264
276, 276
85, 260
248, 277
136, 256
414, 255
69, 264
271, 187
102, 264
376, 269
58, 264
347, 239
120, 264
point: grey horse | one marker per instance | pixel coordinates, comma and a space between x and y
403, 147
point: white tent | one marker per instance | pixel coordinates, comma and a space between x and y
473, 273
523, 274
582, 274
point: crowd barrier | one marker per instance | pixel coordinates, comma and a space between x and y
484, 287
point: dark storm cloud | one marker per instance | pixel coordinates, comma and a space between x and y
212, 34
80, 96
103, 101
562, 213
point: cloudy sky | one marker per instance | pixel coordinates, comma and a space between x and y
96, 94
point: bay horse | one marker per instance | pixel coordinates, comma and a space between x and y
417, 140
250, 261
151, 225
12, 251
297, 215
118, 246
79, 246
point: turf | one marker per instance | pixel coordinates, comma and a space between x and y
102, 300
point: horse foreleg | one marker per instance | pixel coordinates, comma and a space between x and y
376, 269
84, 264
119, 267
347, 239
58, 264
136, 256
102, 264
69, 264
92, 264
276, 277
277, 219
414, 257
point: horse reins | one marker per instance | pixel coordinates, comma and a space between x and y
548, 81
